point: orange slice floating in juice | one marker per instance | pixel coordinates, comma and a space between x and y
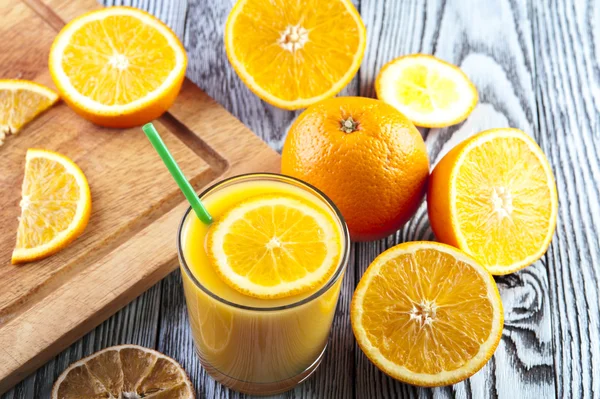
274, 246
215, 327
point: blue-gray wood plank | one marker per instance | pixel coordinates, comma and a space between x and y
535, 64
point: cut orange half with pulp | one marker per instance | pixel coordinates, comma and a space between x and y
293, 55
429, 91
274, 246
494, 196
118, 66
427, 314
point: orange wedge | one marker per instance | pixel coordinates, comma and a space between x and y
427, 314
55, 205
124, 371
295, 54
118, 66
429, 91
20, 102
274, 246
494, 197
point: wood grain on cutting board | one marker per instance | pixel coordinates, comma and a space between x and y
129, 243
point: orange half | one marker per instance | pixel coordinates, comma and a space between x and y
118, 66
294, 54
494, 196
427, 314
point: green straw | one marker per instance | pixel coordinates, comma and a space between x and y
177, 174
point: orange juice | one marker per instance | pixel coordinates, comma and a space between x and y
254, 345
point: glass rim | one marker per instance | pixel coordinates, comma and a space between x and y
341, 266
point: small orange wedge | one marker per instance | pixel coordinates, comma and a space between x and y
494, 197
55, 205
20, 102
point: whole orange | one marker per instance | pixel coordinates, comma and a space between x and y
366, 156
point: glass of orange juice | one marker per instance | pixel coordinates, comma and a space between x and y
252, 344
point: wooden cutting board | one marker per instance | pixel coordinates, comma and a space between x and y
129, 243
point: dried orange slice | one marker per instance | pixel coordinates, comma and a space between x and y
118, 66
293, 55
124, 371
427, 314
494, 197
55, 205
20, 102
429, 91
274, 246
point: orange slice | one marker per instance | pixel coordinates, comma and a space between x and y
429, 91
216, 323
494, 197
55, 205
293, 55
20, 102
274, 246
118, 66
427, 314
124, 371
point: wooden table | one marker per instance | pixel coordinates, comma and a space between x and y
536, 66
